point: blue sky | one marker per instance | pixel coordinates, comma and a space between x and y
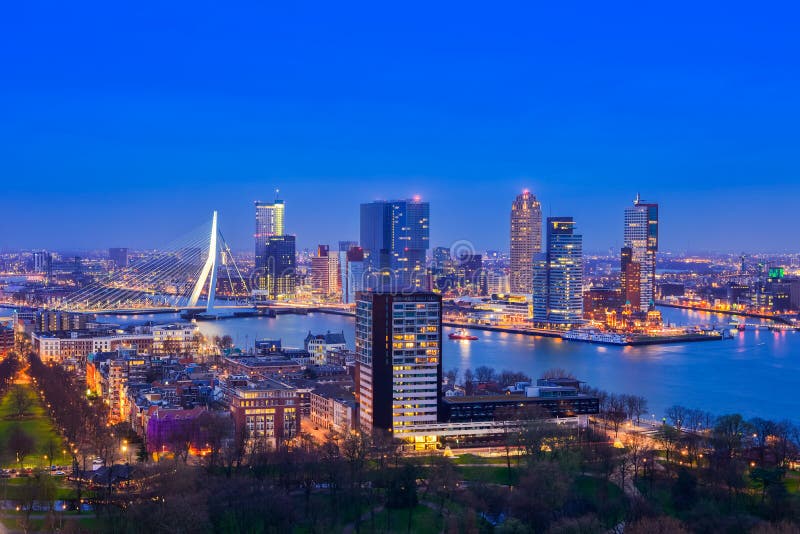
125, 124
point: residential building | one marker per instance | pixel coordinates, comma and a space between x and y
526, 240
398, 360
179, 339
265, 412
333, 407
318, 345
558, 276
325, 272
641, 236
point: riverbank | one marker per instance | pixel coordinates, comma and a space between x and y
775, 318
543, 332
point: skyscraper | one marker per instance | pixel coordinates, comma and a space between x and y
641, 236
398, 359
630, 278
325, 271
526, 240
558, 275
351, 267
275, 265
394, 236
269, 222
276, 278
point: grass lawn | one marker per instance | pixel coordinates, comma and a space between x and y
490, 473
793, 482
424, 520
36, 423
13, 489
463, 459
11, 520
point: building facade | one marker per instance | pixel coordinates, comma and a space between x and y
641, 237
558, 276
526, 240
398, 360
276, 276
395, 239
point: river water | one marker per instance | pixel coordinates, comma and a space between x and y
757, 373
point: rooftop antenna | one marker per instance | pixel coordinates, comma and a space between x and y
277, 194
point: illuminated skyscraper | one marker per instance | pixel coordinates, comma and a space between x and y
325, 271
558, 275
526, 240
269, 222
398, 360
641, 236
275, 274
394, 236
276, 278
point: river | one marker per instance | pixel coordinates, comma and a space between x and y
755, 374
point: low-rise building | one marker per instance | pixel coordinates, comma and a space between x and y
319, 344
333, 408
264, 411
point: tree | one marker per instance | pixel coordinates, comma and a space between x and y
452, 375
469, 382
21, 401
510, 378
557, 372
637, 448
20, 443
729, 433
485, 374
667, 438
677, 416
637, 407
541, 496
615, 412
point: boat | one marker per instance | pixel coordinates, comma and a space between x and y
595, 336
462, 335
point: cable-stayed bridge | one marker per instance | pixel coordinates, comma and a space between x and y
185, 274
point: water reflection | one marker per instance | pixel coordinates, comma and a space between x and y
754, 373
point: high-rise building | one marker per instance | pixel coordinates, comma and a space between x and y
471, 274
630, 278
497, 283
526, 240
394, 236
276, 278
352, 270
42, 262
558, 275
325, 271
641, 236
398, 359
119, 256
269, 222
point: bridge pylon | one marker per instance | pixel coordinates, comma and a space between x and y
209, 271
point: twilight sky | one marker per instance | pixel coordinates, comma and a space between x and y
125, 124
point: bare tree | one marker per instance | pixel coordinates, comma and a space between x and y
21, 401
485, 374
557, 372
